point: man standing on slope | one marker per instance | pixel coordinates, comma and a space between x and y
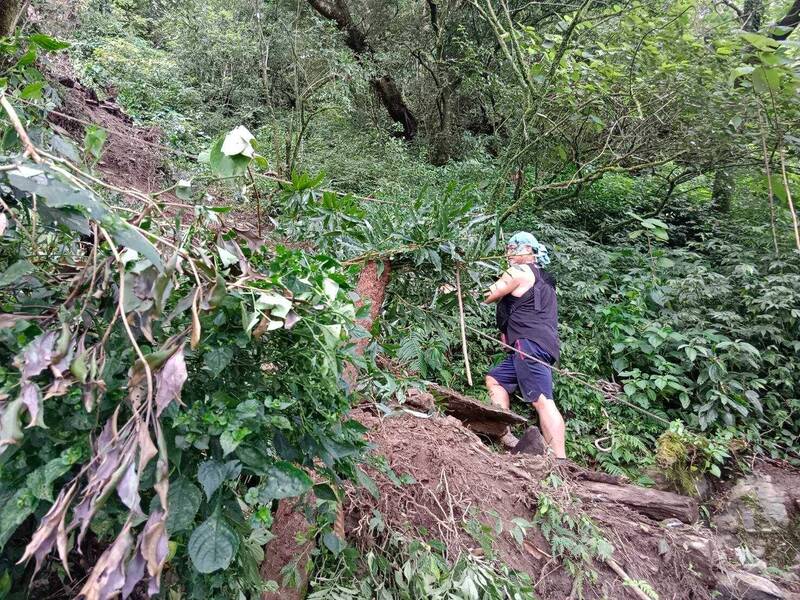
527, 316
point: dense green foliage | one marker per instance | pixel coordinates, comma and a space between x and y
648, 146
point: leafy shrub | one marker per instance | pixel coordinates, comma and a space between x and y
411, 568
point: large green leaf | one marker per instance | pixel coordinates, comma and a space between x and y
45, 42
223, 165
184, 501
213, 545
283, 481
15, 272
211, 474
127, 236
217, 360
56, 194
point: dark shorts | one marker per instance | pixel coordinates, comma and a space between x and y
533, 378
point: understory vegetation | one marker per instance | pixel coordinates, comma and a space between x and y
186, 340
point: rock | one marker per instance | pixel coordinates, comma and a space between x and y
702, 486
704, 554
756, 496
531, 442
420, 400
756, 511
740, 585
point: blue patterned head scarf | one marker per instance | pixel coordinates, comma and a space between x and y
523, 238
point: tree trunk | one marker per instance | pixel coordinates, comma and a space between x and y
385, 87
752, 15
392, 100
788, 23
10, 11
722, 192
655, 504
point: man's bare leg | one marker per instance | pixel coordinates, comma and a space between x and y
497, 393
552, 424
500, 399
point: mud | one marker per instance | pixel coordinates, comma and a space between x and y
457, 482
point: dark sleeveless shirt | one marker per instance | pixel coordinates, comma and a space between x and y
532, 316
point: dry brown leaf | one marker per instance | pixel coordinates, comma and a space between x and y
32, 399
261, 328
147, 449
50, 529
134, 572
108, 575
154, 547
170, 379
196, 329
37, 355
128, 489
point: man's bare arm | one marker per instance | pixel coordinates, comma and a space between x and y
502, 287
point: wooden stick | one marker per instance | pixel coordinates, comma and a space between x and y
30, 149
463, 327
768, 173
789, 199
614, 565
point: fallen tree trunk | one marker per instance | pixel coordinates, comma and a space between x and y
655, 504
483, 419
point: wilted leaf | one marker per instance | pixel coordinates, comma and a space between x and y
147, 449
213, 545
153, 547
108, 575
50, 528
10, 430
196, 327
37, 355
170, 380
134, 572
291, 319
38, 486
32, 399
128, 489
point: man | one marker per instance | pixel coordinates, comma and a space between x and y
527, 316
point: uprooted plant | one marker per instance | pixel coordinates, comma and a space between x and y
153, 356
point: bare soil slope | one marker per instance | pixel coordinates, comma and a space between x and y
458, 479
